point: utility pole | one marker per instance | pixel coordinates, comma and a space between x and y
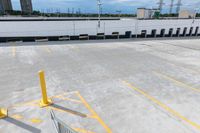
171, 6
99, 12
72, 10
119, 12
179, 4
160, 5
196, 11
68, 11
79, 11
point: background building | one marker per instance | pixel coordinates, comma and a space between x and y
144, 13
26, 6
5, 6
187, 14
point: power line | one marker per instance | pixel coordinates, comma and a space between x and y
171, 6
160, 5
179, 4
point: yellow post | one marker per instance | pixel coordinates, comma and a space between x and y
45, 101
3, 113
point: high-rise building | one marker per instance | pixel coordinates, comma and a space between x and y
26, 6
5, 6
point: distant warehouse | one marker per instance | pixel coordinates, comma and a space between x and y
144, 13
187, 14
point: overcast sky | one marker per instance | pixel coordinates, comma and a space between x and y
109, 6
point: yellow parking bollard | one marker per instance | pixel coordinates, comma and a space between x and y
45, 101
3, 113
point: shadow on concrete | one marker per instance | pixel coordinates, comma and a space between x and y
68, 110
22, 125
11, 44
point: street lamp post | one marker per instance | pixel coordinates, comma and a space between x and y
195, 13
99, 12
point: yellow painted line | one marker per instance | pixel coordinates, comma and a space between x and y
162, 105
17, 117
69, 99
80, 130
38, 100
177, 82
36, 120
91, 116
14, 51
48, 49
191, 70
108, 130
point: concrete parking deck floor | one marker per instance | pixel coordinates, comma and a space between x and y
108, 87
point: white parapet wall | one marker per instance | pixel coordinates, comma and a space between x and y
90, 27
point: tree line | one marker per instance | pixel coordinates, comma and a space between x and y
59, 14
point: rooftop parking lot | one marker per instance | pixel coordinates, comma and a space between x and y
103, 87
